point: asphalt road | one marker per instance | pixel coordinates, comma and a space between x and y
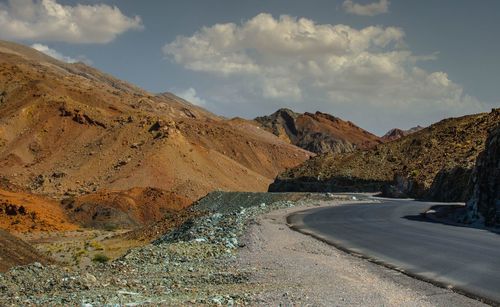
394, 233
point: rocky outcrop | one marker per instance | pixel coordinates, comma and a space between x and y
317, 132
80, 117
484, 206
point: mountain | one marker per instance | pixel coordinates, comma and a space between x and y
485, 200
317, 132
396, 133
433, 163
68, 130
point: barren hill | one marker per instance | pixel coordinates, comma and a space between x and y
68, 129
318, 132
433, 163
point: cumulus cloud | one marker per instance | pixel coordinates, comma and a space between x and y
53, 53
58, 56
371, 9
47, 20
364, 74
191, 96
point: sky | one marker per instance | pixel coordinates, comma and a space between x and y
378, 63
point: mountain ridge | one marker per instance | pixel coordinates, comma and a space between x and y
317, 132
68, 130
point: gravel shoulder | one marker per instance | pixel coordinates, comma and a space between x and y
295, 269
237, 251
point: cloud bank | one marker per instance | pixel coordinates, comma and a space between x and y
371, 9
364, 74
47, 20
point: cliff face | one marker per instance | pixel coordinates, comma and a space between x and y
317, 132
485, 202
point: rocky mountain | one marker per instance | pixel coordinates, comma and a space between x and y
433, 163
396, 133
68, 130
317, 132
484, 204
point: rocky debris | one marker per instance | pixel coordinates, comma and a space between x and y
137, 145
164, 129
37, 182
3, 96
80, 117
121, 163
193, 264
58, 175
484, 205
11, 209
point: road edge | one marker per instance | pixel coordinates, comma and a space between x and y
348, 251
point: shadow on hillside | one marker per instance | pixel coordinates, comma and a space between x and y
450, 185
447, 215
334, 185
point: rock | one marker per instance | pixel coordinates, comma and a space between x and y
89, 280
485, 201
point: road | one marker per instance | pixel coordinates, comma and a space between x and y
393, 233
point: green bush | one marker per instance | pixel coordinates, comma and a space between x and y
100, 258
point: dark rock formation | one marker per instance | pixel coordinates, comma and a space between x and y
485, 202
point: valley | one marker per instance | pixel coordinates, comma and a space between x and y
110, 194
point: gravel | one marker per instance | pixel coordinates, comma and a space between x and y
193, 264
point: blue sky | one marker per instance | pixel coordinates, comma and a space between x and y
401, 62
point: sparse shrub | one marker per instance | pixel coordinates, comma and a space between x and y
96, 246
100, 258
110, 227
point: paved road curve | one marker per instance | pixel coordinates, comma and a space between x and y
393, 233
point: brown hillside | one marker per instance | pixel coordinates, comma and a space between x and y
23, 212
434, 163
68, 129
14, 251
123, 209
318, 132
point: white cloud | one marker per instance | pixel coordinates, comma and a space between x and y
47, 20
370, 9
191, 96
364, 74
53, 53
